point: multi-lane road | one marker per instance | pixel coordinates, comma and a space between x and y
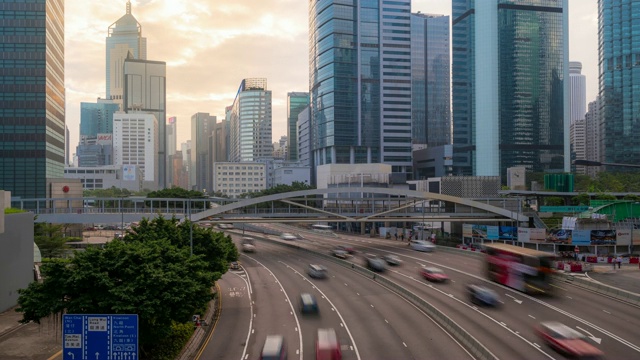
372, 322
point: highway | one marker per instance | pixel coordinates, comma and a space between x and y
374, 323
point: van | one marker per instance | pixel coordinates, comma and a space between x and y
317, 271
274, 348
308, 304
327, 345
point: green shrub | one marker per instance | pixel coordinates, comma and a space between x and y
170, 347
13, 211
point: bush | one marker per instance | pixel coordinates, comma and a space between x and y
171, 346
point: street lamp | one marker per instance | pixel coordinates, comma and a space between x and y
190, 227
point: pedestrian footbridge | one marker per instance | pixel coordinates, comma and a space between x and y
354, 204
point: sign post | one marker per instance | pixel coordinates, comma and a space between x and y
99, 336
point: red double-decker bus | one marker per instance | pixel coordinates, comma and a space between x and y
523, 269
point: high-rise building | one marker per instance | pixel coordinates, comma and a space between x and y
124, 39
431, 80
619, 64
67, 148
172, 143
593, 133
201, 127
510, 86
578, 127
97, 118
304, 142
135, 147
145, 90
296, 102
32, 96
250, 122
360, 83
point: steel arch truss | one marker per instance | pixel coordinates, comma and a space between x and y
370, 205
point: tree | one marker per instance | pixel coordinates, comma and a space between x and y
581, 199
50, 240
156, 280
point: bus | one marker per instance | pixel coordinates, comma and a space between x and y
526, 270
322, 228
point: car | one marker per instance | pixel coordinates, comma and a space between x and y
567, 340
248, 248
482, 295
339, 253
375, 263
433, 274
392, 259
274, 348
288, 236
234, 265
317, 271
308, 304
347, 248
422, 245
327, 345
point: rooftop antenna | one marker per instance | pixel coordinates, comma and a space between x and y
129, 7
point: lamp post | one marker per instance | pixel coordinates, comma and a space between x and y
190, 228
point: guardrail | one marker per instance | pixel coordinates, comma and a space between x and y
467, 340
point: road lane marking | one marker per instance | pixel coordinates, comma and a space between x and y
403, 343
531, 316
607, 312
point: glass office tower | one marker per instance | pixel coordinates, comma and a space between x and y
360, 82
510, 86
431, 79
96, 118
250, 122
32, 96
296, 102
619, 63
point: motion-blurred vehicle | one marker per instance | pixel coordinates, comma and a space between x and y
392, 259
347, 248
327, 345
422, 245
523, 269
274, 348
234, 265
248, 244
288, 236
375, 263
433, 274
567, 341
482, 295
308, 304
317, 271
339, 253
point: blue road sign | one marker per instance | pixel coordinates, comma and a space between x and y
99, 337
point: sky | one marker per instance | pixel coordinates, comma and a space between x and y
210, 46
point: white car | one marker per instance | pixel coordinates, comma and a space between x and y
288, 236
422, 245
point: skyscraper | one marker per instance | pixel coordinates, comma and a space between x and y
135, 148
201, 127
250, 122
619, 64
510, 86
360, 82
578, 127
296, 102
431, 79
124, 38
145, 89
32, 96
97, 118
594, 128
172, 142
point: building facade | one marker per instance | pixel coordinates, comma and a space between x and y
593, 133
250, 120
510, 86
577, 127
32, 96
172, 143
97, 118
202, 125
135, 147
95, 151
430, 80
234, 179
303, 138
145, 90
360, 82
296, 102
124, 38
619, 81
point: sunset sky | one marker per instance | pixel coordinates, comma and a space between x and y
211, 45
